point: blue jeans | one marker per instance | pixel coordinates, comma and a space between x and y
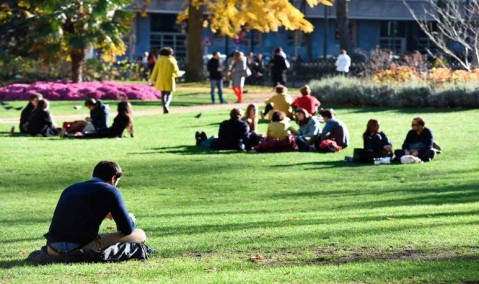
218, 84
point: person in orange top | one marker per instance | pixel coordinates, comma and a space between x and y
306, 101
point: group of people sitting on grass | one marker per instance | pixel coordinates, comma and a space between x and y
241, 133
36, 120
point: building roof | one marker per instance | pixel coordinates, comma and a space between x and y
358, 9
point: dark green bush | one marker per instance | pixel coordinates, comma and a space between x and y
362, 92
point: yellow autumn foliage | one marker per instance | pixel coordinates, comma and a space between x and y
397, 75
435, 76
228, 17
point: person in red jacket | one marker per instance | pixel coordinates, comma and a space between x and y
306, 101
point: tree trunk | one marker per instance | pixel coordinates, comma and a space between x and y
342, 19
194, 66
78, 58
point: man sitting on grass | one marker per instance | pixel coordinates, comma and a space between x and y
233, 134
334, 129
82, 208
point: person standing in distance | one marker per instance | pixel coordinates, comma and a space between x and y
215, 69
343, 62
82, 208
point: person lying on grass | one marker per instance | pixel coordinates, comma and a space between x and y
81, 209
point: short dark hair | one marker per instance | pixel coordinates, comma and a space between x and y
166, 51
305, 90
236, 113
36, 96
90, 102
419, 121
42, 104
326, 113
106, 170
215, 52
279, 89
277, 116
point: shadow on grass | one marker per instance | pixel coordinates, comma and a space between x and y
184, 150
322, 164
460, 194
379, 228
412, 111
6, 264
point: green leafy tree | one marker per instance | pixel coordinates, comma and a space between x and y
54, 29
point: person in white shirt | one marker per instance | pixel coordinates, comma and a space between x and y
343, 62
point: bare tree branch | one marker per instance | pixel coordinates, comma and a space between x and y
452, 22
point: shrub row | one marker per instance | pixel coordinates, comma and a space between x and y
80, 91
361, 92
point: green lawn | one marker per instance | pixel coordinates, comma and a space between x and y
313, 217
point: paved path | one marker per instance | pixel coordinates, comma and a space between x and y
257, 99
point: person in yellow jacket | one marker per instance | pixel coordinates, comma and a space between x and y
280, 101
163, 76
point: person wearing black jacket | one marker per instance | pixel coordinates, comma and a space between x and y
215, 70
27, 111
96, 123
279, 65
40, 121
123, 120
232, 135
419, 142
99, 113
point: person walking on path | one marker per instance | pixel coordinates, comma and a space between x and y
279, 65
238, 70
163, 76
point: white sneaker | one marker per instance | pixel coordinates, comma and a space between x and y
386, 160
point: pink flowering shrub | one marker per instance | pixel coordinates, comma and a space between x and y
79, 91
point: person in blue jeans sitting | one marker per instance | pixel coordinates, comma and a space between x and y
83, 207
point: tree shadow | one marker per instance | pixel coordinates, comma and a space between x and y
185, 150
179, 229
322, 164
411, 111
6, 264
459, 194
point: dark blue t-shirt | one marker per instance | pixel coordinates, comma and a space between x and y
82, 208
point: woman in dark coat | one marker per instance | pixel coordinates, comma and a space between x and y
40, 121
279, 65
27, 111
